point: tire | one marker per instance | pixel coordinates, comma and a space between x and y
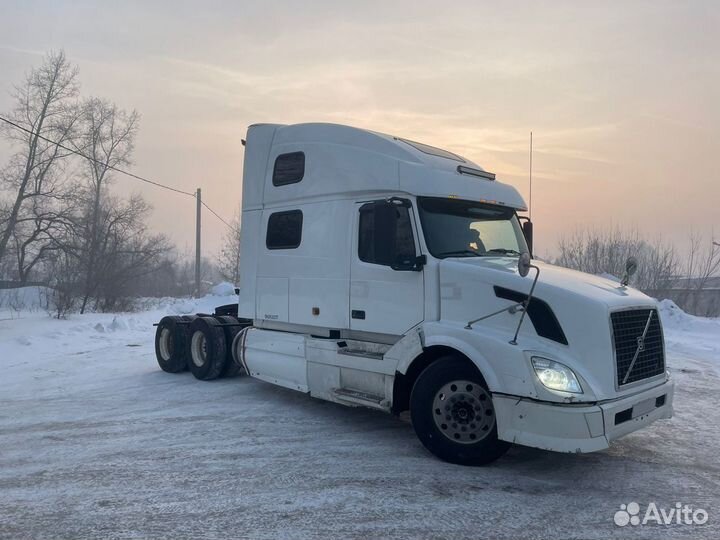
232, 328
453, 415
171, 344
206, 348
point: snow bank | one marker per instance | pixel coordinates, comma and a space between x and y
33, 328
689, 336
675, 319
223, 289
24, 301
21, 299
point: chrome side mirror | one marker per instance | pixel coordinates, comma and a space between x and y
524, 264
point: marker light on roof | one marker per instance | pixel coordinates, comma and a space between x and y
475, 172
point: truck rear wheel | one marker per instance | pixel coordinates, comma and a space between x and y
206, 348
170, 344
453, 415
232, 328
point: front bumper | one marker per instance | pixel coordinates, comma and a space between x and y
565, 427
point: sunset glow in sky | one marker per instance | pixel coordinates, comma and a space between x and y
623, 98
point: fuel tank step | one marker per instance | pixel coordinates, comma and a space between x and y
361, 398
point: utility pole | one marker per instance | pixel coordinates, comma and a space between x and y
198, 201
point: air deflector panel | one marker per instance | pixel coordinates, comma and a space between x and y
541, 315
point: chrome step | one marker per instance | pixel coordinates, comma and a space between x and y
359, 397
360, 353
362, 349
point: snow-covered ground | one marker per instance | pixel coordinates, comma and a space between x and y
97, 442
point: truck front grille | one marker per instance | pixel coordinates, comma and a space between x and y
628, 327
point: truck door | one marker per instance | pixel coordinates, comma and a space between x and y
386, 277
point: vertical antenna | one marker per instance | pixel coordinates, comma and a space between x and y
530, 204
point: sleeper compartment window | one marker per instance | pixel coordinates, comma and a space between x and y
288, 169
284, 230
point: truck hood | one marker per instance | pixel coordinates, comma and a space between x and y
554, 280
579, 304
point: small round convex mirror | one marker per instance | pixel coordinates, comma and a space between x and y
631, 266
524, 264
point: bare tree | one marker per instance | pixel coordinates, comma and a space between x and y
64, 226
605, 252
185, 273
126, 252
64, 274
228, 261
703, 263
108, 138
42, 229
662, 273
45, 107
162, 281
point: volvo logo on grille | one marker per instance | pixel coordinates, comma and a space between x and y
640, 347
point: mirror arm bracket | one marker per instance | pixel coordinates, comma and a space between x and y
526, 304
468, 326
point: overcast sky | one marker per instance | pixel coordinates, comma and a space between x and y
623, 98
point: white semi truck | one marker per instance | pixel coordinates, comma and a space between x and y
380, 272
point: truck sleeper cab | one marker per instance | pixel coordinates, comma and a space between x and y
363, 259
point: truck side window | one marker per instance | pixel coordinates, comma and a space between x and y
284, 230
386, 235
288, 169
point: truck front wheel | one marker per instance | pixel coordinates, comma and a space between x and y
207, 354
453, 415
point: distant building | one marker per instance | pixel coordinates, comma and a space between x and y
693, 296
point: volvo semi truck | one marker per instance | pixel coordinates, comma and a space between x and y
379, 272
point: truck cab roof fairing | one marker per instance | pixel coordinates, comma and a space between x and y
343, 161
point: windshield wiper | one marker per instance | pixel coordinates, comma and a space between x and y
503, 251
459, 253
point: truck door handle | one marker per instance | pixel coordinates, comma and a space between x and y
358, 314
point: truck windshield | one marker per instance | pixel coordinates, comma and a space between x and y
459, 228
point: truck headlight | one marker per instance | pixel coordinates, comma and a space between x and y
556, 376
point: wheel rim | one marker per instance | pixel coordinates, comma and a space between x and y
463, 412
198, 348
166, 344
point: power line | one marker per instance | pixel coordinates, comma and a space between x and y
216, 215
110, 167
78, 153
